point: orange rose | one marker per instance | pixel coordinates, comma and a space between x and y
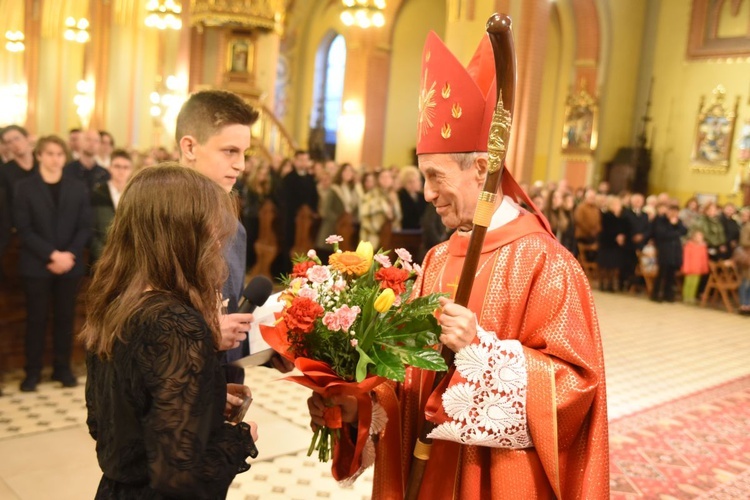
349, 263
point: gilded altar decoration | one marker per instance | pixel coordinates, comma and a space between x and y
263, 14
713, 133
580, 129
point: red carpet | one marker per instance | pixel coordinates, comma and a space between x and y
695, 447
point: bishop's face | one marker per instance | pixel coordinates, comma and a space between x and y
452, 190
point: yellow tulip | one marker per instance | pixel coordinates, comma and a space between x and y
364, 250
385, 300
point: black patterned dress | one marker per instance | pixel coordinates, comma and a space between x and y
155, 409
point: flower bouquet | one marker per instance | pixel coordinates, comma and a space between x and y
350, 325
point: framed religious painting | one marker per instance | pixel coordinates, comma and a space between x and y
714, 131
580, 128
240, 54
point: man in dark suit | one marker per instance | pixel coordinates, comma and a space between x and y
53, 216
298, 188
21, 165
639, 235
86, 168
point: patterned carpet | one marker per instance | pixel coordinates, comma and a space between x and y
696, 447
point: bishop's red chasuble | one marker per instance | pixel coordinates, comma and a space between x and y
523, 414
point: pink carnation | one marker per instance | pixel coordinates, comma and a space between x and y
404, 255
341, 319
382, 259
311, 254
418, 269
319, 274
308, 293
354, 342
334, 238
406, 266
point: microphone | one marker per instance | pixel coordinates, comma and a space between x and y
255, 294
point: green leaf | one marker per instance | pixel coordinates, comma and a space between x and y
427, 359
388, 365
364, 360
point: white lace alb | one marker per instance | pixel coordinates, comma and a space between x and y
489, 409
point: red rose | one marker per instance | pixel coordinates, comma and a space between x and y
300, 268
393, 278
302, 313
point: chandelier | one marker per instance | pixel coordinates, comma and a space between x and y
164, 14
14, 41
77, 30
363, 13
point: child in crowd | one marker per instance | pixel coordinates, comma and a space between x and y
694, 264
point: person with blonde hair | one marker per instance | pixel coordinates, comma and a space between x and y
156, 394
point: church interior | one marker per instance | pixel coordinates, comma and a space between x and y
613, 96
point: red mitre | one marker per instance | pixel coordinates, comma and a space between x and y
455, 103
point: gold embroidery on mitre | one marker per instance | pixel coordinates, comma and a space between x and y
456, 111
446, 93
427, 56
445, 131
426, 106
499, 134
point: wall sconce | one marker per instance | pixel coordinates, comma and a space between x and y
165, 106
14, 41
84, 101
163, 14
363, 13
13, 104
77, 31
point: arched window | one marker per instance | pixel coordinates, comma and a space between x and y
330, 66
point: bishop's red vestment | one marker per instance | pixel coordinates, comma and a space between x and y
524, 414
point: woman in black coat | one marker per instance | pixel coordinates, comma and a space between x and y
667, 233
53, 217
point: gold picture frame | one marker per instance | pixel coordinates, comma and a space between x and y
240, 54
714, 133
581, 125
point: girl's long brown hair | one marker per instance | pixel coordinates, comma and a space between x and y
167, 235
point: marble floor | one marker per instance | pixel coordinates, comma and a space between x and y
654, 353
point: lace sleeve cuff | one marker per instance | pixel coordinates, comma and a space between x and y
487, 407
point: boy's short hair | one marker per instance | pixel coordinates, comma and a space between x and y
121, 153
206, 112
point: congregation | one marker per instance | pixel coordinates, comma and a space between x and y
624, 241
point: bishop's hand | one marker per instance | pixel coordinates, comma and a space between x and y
459, 325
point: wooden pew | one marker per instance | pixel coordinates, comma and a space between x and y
267, 244
305, 229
